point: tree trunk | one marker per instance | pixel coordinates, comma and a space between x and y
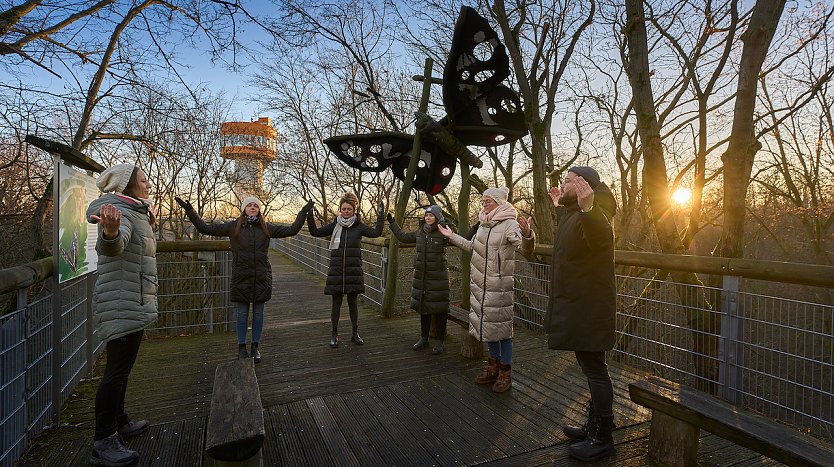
702, 322
743, 145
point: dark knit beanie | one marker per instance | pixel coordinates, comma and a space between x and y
438, 214
590, 175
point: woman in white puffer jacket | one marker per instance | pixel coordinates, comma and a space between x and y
501, 237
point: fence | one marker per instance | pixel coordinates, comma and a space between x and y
193, 298
771, 353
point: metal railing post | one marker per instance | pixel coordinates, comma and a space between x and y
384, 265
731, 357
88, 310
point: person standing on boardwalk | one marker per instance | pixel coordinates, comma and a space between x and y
251, 283
430, 285
124, 298
345, 275
500, 237
582, 311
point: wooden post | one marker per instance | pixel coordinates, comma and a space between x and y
463, 226
235, 429
402, 201
673, 442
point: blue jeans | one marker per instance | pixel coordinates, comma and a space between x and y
243, 321
502, 349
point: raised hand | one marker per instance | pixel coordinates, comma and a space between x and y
526, 224
555, 195
584, 195
110, 219
390, 218
381, 209
183, 203
446, 231
308, 207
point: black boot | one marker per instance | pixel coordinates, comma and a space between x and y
438, 347
255, 354
242, 354
599, 442
579, 433
421, 344
355, 336
334, 339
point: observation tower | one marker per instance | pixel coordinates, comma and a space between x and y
252, 146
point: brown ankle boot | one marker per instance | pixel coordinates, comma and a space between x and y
504, 380
490, 373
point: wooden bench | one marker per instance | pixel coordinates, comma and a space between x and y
679, 412
235, 429
470, 347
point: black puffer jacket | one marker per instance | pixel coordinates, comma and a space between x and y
251, 271
430, 286
345, 275
582, 311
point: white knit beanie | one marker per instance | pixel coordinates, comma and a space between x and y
250, 199
498, 194
115, 178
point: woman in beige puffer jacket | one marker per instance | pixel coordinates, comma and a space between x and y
501, 237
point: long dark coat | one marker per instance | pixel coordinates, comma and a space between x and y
582, 311
430, 285
345, 274
251, 271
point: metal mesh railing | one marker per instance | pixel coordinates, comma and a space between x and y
193, 298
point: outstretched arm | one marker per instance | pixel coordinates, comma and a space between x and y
316, 231
369, 232
215, 230
455, 239
410, 237
279, 231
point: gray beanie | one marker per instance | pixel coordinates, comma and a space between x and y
115, 178
589, 174
497, 194
436, 212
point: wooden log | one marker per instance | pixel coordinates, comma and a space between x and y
470, 347
235, 429
673, 442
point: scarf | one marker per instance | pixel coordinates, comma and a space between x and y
503, 212
341, 223
253, 219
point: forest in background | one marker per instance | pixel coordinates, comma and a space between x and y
727, 99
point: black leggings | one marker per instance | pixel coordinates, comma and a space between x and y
599, 382
336, 310
425, 325
110, 397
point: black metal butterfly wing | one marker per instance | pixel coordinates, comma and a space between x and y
375, 152
480, 110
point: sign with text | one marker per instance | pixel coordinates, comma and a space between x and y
76, 237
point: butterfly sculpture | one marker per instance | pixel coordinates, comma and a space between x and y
480, 111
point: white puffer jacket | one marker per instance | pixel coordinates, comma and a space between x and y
495, 248
125, 295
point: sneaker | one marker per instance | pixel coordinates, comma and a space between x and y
110, 451
133, 428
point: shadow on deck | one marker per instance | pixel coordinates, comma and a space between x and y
377, 404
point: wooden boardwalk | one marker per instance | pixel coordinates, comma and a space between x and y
379, 404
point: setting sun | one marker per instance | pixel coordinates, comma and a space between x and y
682, 195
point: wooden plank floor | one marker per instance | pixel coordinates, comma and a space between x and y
377, 404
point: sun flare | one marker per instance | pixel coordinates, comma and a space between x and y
682, 195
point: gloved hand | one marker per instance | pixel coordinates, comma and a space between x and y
381, 209
307, 207
390, 218
184, 204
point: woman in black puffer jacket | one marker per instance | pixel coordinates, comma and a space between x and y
345, 275
251, 281
430, 286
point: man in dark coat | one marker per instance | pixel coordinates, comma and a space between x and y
582, 311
